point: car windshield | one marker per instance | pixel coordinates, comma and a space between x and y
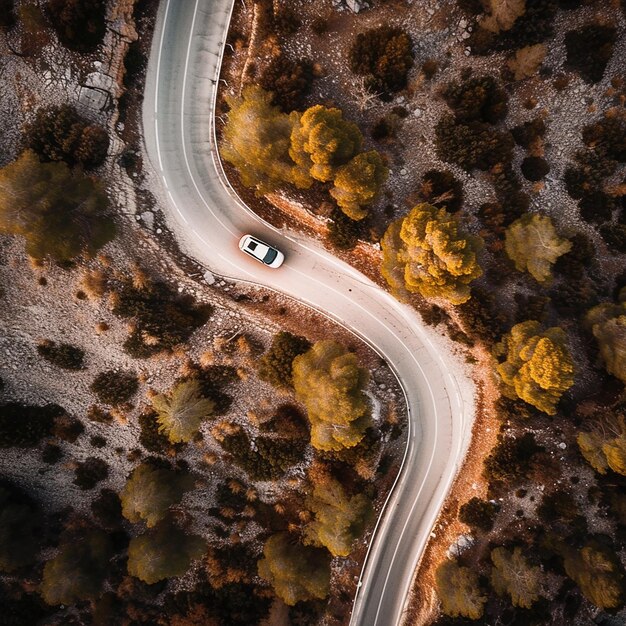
270, 256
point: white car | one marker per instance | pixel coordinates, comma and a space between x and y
261, 251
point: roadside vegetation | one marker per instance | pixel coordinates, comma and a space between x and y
487, 192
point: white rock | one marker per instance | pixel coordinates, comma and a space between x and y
208, 277
562, 445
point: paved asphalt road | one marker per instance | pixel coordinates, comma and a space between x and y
209, 219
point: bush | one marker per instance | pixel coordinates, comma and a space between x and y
511, 458
478, 513
384, 55
63, 355
534, 168
289, 81
275, 365
80, 24
442, 190
527, 133
21, 525
162, 318
589, 49
59, 133
90, 472
479, 99
115, 388
24, 426
475, 145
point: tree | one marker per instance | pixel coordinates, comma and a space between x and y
256, 141
322, 141
115, 387
589, 49
339, 518
289, 81
79, 569
275, 365
533, 244
20, 530
598, 573
180, 413
479, 98
591, 447
512, 574
426, 252
80, 24
478, 513
384, 55
608, 324
7, 14
458, 590
527, 61
605, 449
150, 492
297, 573
535, 365
511, 457
358, 182
163, 553
330, 383
59, 133
60, 213
502, 14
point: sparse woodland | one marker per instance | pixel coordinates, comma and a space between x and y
496, 199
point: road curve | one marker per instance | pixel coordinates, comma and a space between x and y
209, 218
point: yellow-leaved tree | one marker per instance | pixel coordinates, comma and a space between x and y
180, 413
598, 572
608, 324
329, 382
339, 518
427, 252
535, 365
256, 142
322, 140
358, 182
533, 244
296, 572
605, 448
459, 591
513, 575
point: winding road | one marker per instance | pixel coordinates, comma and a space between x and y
208, 218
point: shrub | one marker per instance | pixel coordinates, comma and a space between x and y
589, 49
442, 190
79, 24
115, 388
535, 365
24, 426
162, 318
479, 99
63, 355
286, 21
296, 572
534, 168
528, 133
59, 133
475, 145
90, 472
180, 414
329, 381
97, 414
20, 530
162, 553
478, 513
511, 458
150, 491
384, 55
275, 365
60, 212
78, 571
428, 253
289, 81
